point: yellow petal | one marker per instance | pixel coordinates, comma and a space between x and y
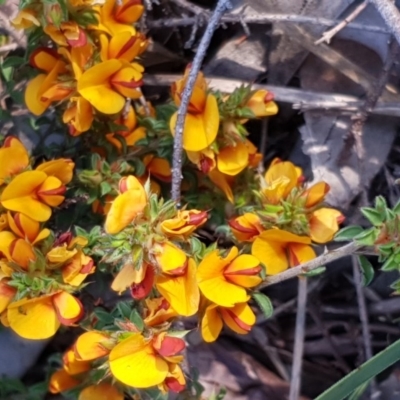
18, 196
181, 292
170, 257
124, 210
95, 87
33, 319
232, 160
61, 168
239, 318
102, 391
32, 98
316, 193
88, 346
324, 224
125, 277
61, 381
134, 363
211, 324
68, 308
300, 253
243, 271
220, 181
281, 236
271, 254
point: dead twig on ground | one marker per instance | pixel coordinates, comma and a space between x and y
328, 35
298, 351
221, 7
390, 14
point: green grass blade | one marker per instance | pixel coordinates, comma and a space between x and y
366, 371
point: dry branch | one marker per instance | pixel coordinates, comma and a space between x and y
301, 99
186, 95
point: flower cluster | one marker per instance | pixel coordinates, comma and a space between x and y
38, 272
90, 64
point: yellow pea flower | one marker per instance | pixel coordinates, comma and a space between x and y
157, 311
261, 104
315, 194
324, 223
184, 224
202, 120
102, 391
33, 193
122, 46
280, 178
40, 318
62, 169
89, 346
223, 182
45, 88
25, 19
26, 228
143, 363
61, 381
77, 269
246, 227
279, 250
127, 205
78, 116
13, 158
177, 283
231, 160
240, 318
118, 16
223, 280
106, 85
132, 133
69, 33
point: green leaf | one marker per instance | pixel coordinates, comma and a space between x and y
137, 320
356, 395
13, 61
367, 270
362, 374
380, 204
390, 264
264, 303
125, 309
315, 272
396, 208
105, 188
348, 233
374, 216
367, 237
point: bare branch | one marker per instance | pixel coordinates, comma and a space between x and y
262, 19
391, 15
320, 261
301, 99
295, 382
328, 35
221, 7
8, 47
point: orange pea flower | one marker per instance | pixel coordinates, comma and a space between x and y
78, 116
184, 224
132, 133
143, 363
279, 250
69, 33
280, 178
127, 205
33, 193
40, 318
246, 227
106, 85
223, 280
261, 104
13, 158
62, 169
240, 318
45, 88
177, 283
122, 46
116, 17
27, 228
158, 311
202, 120
25, 19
